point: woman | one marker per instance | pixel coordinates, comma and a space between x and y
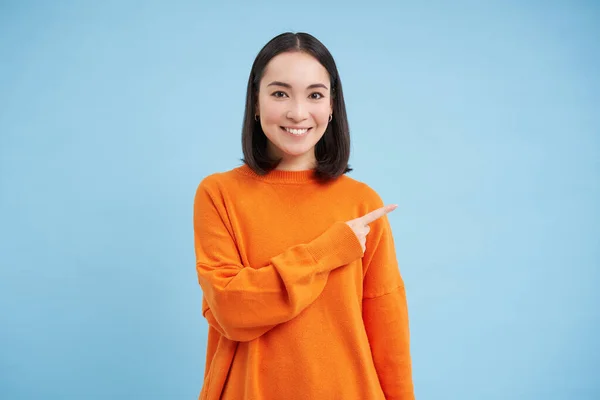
296, 260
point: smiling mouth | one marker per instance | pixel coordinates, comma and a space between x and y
296, 132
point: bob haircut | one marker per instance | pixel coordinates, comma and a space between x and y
332, 151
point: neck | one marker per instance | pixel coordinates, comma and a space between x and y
295, 165
302, 162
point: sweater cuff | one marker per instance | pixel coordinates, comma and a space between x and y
337, 246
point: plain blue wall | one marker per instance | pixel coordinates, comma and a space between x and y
481, 121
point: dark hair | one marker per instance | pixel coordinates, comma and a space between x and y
332, 151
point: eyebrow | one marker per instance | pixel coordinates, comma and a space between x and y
287, 85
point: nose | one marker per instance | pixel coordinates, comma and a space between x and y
297, 111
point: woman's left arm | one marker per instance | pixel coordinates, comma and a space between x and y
385, 314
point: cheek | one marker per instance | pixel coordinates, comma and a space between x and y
321, 114
272, 115
271, 111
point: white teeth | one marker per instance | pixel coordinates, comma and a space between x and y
296, 131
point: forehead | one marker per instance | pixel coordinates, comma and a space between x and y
295, 68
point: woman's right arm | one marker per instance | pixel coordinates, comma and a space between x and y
243, 303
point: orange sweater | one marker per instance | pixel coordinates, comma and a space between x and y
295, 310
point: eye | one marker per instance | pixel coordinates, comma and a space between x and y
279, 94
316, 96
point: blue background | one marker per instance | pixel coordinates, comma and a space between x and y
482, 121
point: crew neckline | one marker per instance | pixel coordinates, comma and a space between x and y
280, 176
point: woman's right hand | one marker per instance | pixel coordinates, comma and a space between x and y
360, 225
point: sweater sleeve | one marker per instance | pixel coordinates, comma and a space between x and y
385, 314
243, 302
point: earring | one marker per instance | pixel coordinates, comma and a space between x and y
256, 117
330, 117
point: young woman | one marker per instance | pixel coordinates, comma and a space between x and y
296, 260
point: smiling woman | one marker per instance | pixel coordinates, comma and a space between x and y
293, 111
294, 86
296, 260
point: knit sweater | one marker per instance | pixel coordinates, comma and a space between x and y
295, 310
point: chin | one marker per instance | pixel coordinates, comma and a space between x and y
291, 153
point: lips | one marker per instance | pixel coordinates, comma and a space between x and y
296, 131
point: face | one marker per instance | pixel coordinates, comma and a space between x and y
294, 105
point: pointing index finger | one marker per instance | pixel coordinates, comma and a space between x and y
380, 212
